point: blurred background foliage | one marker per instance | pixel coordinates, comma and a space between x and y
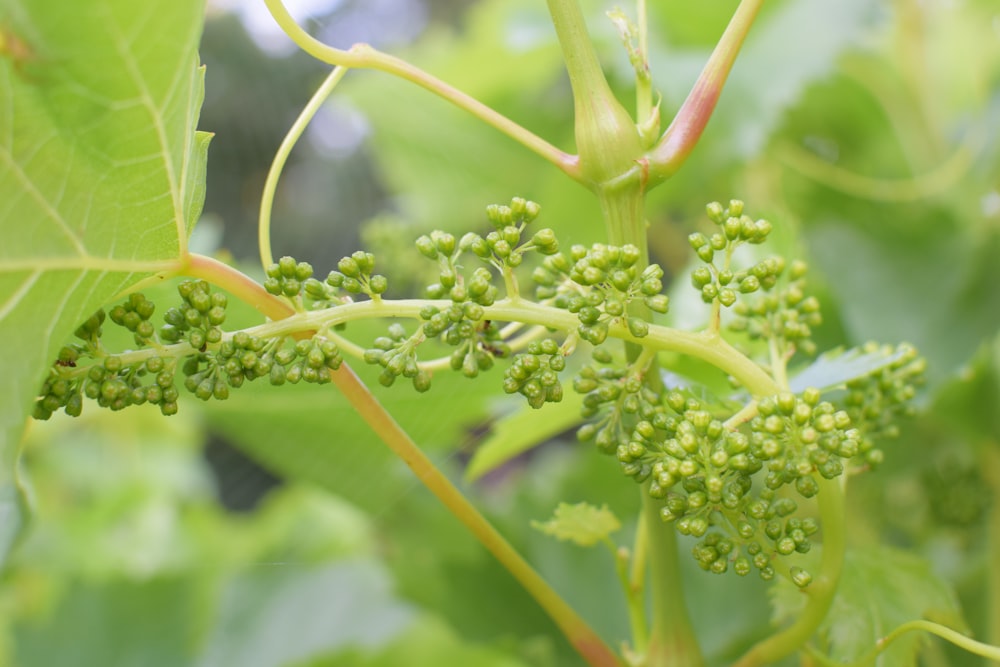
273, 530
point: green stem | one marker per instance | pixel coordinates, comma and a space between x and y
623, 209
643, 80
281, 156
363, 56
672, 642
636, 586
991, 464
680, 138
587, 643
822, 589
701, 345
607, 140
991, 653
576, 630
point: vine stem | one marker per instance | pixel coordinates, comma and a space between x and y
580, 635
820, 592
969, 644
587, 643
683, 133
672, 641
281, 156
364, 56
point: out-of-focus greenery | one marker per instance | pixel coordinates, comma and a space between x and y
865, 130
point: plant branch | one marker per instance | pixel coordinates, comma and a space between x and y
237, 283
281, 156
606, 138
363, 56
702, 345
672, 641
680, 138
822, 589
580, 635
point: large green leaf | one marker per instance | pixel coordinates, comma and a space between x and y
880, 589
101, 174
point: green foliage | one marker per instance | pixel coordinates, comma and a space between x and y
107, 169
874, 164
582, 524
881, 589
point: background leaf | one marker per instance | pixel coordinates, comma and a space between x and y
583, 524
880, 589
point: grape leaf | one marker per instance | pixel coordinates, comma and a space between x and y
101, 175
832, 369
880, 589
521, 430
583, 523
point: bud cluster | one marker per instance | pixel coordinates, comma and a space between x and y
191, 341
784, 314
705, 472
599, 284
535, 373
199, 317
614, 396
876, 402
396, 354
134, 315
719, 283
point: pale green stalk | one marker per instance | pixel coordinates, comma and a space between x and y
577, 631
587, 643
363, 56
820, 592
281, 156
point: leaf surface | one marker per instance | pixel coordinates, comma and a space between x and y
880, 589
582, 523
101, 175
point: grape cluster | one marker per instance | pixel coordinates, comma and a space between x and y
354, 275
134, 315
110, 381
875, 402
286, 277
442, 247
503, 247
197, 320
535, 373
396, 354
600, 284
190, 342
613, 396
720, 283
785, 315
705, 472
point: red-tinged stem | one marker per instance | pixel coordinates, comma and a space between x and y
680, 138
580, 635
237, 283
587, 643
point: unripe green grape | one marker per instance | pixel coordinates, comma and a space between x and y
637, 327
800, 577
287, 266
